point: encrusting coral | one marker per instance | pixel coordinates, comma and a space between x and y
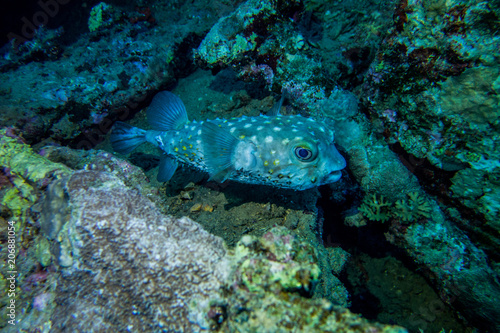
376, 209
415, 206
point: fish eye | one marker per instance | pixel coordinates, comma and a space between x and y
303, 153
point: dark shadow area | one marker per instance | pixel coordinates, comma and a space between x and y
227, 81
382, 280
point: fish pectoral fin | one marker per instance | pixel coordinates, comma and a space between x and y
221, 176
218, 149
168, 165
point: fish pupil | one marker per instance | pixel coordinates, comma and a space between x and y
303, 153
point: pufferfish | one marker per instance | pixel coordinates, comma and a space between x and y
291, 152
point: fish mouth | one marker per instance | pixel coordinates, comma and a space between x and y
337, 159
332, 177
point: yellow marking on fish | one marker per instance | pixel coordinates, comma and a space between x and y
276, 162
242, 136
176, 149
184, 148
190, 146
266, 163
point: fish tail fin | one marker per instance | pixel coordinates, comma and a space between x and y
125, 138
166, 112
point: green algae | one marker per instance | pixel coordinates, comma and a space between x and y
26, 168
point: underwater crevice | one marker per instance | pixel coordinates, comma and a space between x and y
361, 242
437, 182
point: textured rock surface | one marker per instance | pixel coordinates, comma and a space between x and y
127, 267
273, 273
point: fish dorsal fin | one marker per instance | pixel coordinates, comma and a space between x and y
275, 110
218, 148
166, 112
168, 165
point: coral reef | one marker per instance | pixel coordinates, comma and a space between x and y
448, 113
240, 32
431, 95
411, 88
79, 88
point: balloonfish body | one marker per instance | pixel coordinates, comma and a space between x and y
292, 152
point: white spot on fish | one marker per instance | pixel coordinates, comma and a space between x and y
277, 129
253, 138
199, 132
260, 128
247, 126
285, 141
268, 139
294, 130
232, 129
193, 128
